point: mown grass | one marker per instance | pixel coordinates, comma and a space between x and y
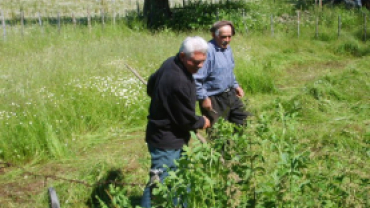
70, 108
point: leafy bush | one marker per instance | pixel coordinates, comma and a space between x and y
201, 15
267, 166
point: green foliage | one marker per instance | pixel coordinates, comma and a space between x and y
135, 21
200, 15
258, 77
202, 179
110, 191
353, 48
266, 166
117, 197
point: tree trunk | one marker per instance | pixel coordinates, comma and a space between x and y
156, 11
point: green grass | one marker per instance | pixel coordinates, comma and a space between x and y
70, 108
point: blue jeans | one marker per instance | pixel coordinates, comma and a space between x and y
160, 157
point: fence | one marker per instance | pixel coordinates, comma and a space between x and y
116, 12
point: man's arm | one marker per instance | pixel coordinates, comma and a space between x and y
151, 83
199, 79
239, 92
182, 110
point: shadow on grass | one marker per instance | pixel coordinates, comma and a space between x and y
109, 192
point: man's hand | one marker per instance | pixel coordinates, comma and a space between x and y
207, 123
239, 92
207, 104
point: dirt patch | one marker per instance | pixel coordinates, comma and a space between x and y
23, 186
21, 191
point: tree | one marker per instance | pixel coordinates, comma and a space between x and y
156, 11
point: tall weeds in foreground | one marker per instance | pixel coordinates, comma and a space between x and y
270, 165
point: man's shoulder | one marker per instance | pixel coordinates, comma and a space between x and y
173, 73
169, 61
174, 83
211, 45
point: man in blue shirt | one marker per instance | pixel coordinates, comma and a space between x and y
218, 91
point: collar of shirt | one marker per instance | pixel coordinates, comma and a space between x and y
218, 48
179, 63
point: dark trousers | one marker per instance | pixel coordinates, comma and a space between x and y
231, 108
228, 106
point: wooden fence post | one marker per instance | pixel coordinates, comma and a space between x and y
88, 19
22, 22
47, 16
298, 22
3, 23
364, 27
217, 13
272, 25
102, 17
339, 25
317, 27
245, 26
58, 16
40, 22
74, 20
114, 16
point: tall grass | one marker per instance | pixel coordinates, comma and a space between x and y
57, 83
309, 96
60, 85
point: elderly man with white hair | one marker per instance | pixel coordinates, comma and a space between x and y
172, 110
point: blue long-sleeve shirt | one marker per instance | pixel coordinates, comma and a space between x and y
217, 73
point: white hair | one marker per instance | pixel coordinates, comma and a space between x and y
193, 44
217, 33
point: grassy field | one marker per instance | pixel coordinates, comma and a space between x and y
12, 8
66, 7
72, 116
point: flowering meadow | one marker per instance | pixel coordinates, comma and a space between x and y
54, 88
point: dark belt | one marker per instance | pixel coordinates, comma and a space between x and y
227, 90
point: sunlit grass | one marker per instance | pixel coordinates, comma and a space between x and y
68, 98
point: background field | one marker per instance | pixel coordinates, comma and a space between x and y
72, 116
78, 7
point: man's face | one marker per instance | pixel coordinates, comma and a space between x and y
194, 63
224, 36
